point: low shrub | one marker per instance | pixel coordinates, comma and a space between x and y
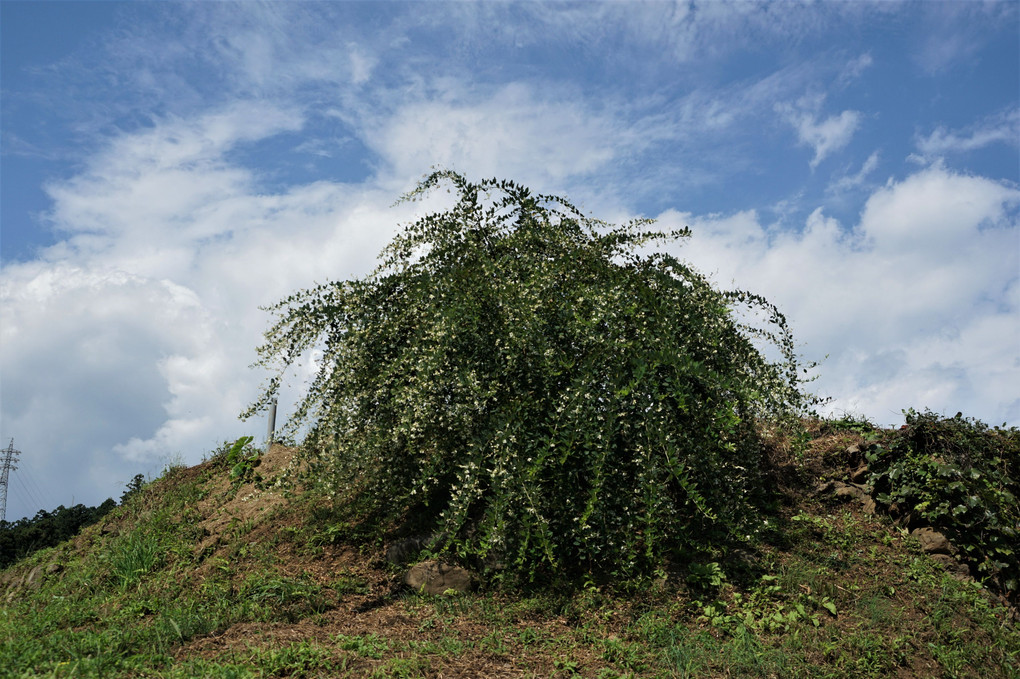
962, 478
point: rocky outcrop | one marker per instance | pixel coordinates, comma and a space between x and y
853, 491
933, 543
433, 577
14, 581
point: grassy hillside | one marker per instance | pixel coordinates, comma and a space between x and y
222, 570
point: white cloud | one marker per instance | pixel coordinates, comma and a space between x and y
128, 342
1003, 128
855, 68
953, 33
82, 348
824, 136
512, 133
160, 178
908, 303
850, 182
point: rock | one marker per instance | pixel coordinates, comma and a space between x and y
849, 490
932, 541
433, 577
34, 577
824, 487
12, 581
54, 568
957, 569
869, 504
860, 475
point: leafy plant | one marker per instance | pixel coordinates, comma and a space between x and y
961, 477
134, 555
241, 459
528, 383
850, 423
706, 576
286, 597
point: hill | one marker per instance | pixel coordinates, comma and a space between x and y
227, 569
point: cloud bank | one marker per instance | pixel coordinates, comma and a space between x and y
126, 340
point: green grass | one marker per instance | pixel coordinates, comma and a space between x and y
830, 592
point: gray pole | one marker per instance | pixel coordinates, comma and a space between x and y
272, 425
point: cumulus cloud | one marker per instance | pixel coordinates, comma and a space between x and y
512, 132
908, 302
82, 354
127, 344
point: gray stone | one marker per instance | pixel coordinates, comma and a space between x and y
824, 487
932, 541
34, 577
433, 577
869, 504
54, 568
849, 490
957, 569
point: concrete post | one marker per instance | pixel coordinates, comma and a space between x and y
272, 425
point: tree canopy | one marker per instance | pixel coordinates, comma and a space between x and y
541, 391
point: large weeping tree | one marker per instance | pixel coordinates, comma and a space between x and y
537, 388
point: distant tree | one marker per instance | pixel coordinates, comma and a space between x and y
535, 388
20, 538
134, 486
46, 529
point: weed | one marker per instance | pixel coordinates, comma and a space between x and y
365, 646
133, 556
567, 668
284, 597
350, 583
302, 659
241, 458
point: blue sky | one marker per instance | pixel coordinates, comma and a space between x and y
169, 167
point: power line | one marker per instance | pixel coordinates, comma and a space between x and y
6, 465
40, 496
28, 498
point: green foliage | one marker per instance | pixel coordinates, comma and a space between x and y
21, 538
133, 556
289, 598
768, 607
706, 576
963, 478
241, 458
849, 423
134, 487
536, 388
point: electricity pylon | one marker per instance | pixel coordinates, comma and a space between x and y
10, 456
